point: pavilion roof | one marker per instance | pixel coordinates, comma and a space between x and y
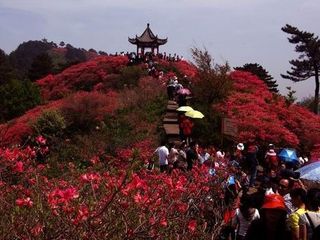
147, 37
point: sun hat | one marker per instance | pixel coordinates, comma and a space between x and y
240, 146
273, 201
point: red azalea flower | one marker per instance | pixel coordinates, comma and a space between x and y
192, 225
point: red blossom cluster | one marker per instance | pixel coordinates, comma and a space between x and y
139, 204
84, 76
267, 117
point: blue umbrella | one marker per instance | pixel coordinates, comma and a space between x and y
310, 172
288, 155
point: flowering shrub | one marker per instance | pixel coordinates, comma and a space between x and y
261, 114
18, 130
119, 203
85, 109
83, 76
50, 123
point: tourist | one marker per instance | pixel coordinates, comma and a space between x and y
186, 125
244, 215
204, 155
163, 153
252, 161
181, 162
284, 188
192, 155
310, 220
298, 200
272, 222
271, 159
173, 155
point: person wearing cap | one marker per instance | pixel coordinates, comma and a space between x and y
238, 155
271, 159
272, 222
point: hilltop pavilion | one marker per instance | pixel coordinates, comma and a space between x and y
147, 40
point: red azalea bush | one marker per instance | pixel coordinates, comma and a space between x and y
15, 131
83, 76
85, 109
180, 68
118, 203
267, 117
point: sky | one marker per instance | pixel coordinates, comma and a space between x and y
243, 31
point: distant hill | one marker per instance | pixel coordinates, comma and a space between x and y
62, 56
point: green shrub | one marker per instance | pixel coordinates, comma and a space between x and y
16, 97
129, 76
50, 123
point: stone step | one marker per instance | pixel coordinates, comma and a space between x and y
172, 108
171, 129
171, 115
170, 120
171, 102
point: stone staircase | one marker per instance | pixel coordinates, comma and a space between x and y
170, 122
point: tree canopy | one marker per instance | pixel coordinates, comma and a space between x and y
261, 73
307, 65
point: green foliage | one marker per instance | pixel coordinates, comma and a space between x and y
262, 74
129, 76
6, 70
26, 52
16, 97
50, 123
75, 55
212, 86
214, 83
307, 65
41, 66
118, 132
308, 102
290, 98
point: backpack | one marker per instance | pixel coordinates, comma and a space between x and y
315, 230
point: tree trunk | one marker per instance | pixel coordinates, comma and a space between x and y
316, 92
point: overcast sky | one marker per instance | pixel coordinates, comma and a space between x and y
243, 31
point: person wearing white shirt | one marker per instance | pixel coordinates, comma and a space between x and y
163, 153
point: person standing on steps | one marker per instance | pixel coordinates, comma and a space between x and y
186, 125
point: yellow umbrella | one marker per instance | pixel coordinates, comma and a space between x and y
185, 109
194, 114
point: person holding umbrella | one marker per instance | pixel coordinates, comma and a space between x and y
182, 94
186, 126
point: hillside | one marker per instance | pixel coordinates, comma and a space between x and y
74, 167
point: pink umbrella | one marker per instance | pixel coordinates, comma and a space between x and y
184, 91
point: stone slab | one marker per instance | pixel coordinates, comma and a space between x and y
171, 129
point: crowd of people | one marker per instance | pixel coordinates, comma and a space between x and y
264, 198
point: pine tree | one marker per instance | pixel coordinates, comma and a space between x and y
307, 65
261, 73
